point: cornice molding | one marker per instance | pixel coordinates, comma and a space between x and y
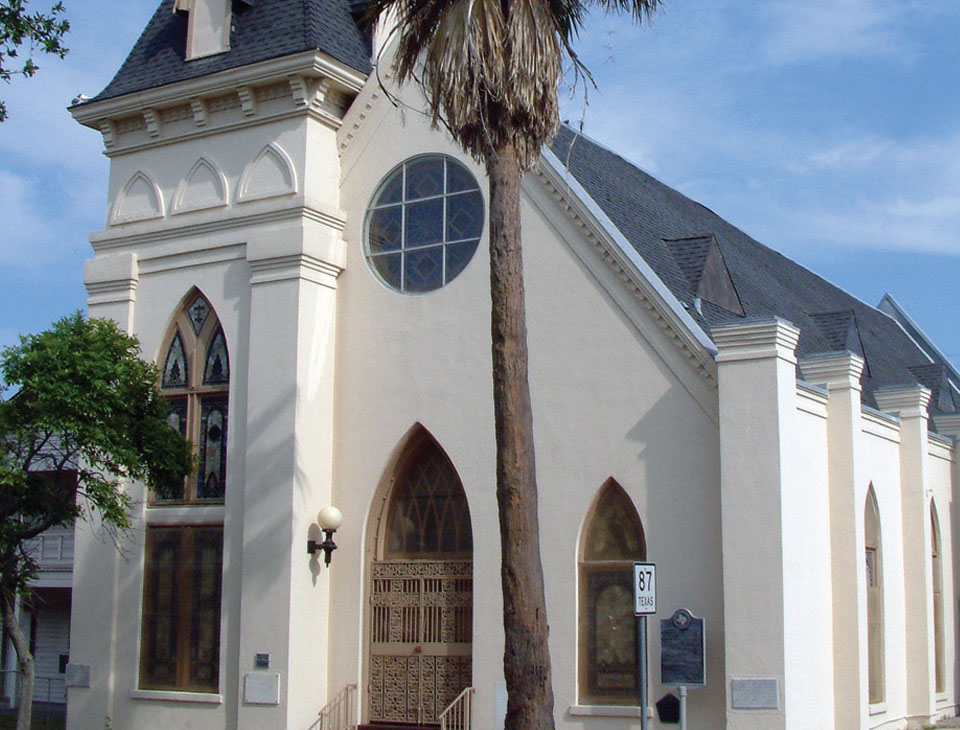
909, 401
294, 266
663, 307
757, 339
306, 209
313, 83
833, 369
308, 63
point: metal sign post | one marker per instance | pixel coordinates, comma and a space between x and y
644, 604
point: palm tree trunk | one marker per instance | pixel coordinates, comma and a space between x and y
24, 661
526, 659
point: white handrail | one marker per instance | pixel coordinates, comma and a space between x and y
458, 714
340, 712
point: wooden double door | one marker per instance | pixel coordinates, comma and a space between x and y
421, 638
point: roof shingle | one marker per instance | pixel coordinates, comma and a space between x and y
261, 31
649, 213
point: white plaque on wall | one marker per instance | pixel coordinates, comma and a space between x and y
261, 688
755, 694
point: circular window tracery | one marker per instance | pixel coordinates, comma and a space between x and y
424, 224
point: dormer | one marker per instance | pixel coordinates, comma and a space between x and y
208, 26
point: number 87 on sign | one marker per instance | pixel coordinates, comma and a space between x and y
644, 588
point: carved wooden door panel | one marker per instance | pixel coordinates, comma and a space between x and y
421, 638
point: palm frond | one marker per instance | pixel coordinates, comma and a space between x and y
490, 68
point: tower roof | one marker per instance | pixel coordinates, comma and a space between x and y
261, 30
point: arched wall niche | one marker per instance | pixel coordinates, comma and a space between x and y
139, 200
204, 186
269, 175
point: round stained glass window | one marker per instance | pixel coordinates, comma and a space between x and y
424, 224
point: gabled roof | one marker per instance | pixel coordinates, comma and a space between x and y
261, 31
653, 217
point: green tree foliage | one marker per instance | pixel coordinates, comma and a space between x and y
85, 416
43, 31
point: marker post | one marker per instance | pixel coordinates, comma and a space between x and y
644, 604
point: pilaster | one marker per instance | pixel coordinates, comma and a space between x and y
910, 403
293, 279
111, 281
839, 373
757, 383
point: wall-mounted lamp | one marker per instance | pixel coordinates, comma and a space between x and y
329, 520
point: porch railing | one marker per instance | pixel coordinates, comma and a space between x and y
458, 714
340, 713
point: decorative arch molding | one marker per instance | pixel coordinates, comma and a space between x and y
270, 175
203, 187
139, 200
416, 451
419, 624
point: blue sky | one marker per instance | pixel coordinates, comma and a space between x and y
829, 130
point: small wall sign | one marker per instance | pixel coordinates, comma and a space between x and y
683, 650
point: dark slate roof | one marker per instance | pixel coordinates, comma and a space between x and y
653, 218
262, 30
691, 255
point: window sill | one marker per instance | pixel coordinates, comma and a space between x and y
200, 514
203, 698
943, 699
878, 708
604, 711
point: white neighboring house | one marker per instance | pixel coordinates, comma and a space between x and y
45, 619
304, 260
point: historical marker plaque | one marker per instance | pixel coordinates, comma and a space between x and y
683, 650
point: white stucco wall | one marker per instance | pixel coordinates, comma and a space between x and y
329, 374
607, 402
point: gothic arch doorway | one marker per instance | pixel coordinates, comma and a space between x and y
421, 590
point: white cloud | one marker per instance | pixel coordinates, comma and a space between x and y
818, 29
855, 153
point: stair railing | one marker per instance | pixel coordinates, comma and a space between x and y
340, 712
458, 714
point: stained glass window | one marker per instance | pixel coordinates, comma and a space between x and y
428, 514
874, 575
216, 369
180, 634
424, 224
211, 477
612, 542
198, 313
175, 365
181, 615
196, 381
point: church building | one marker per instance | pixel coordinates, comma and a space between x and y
304, 258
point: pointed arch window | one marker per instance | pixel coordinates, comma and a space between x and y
428, 515
196, 382
936, 562
612, 541
874, 567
